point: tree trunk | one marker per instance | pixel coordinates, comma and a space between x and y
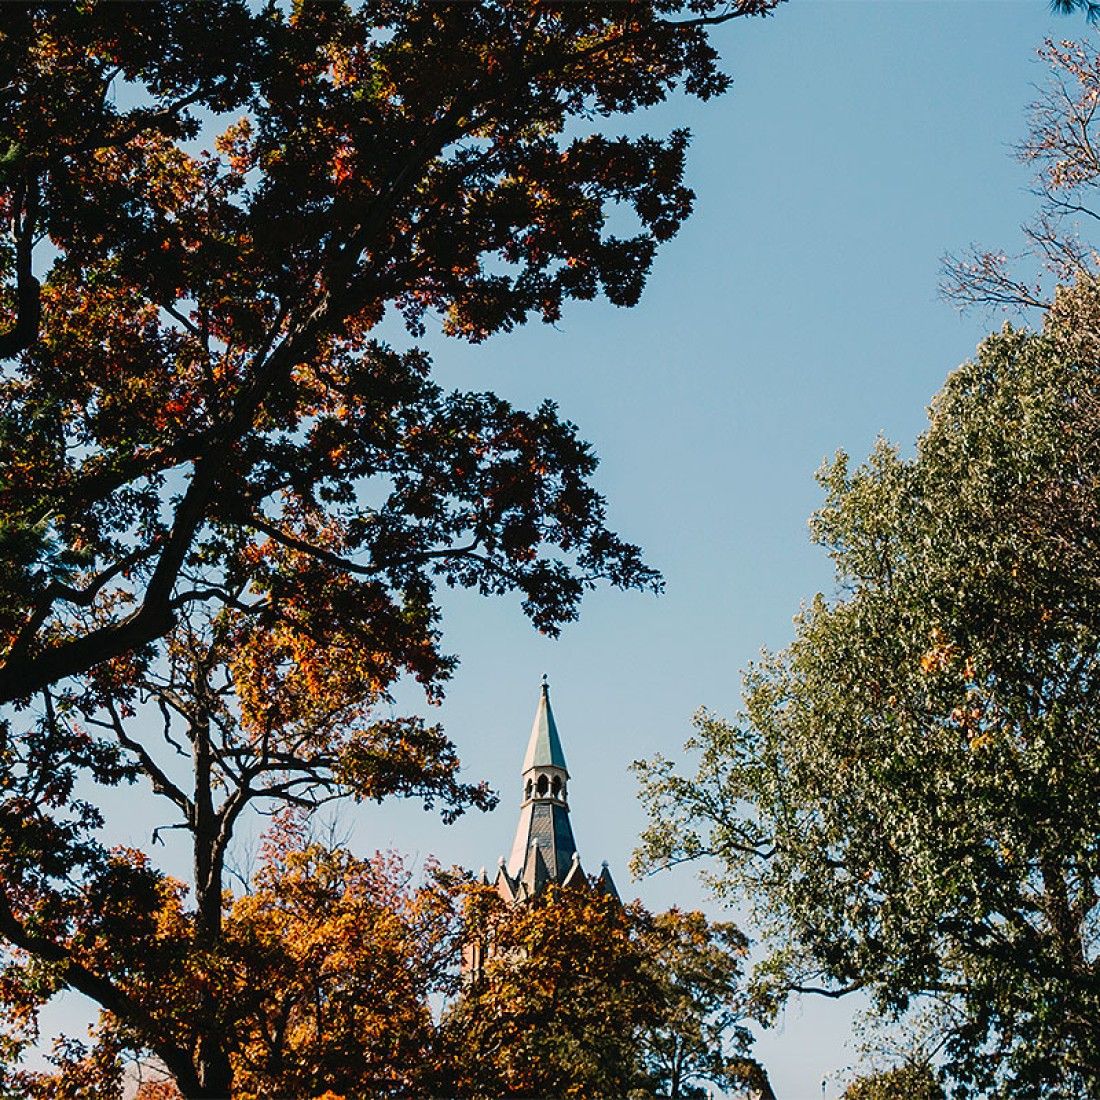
215, 1071
214, 1068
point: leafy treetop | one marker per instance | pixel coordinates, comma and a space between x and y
223, 500
195, 410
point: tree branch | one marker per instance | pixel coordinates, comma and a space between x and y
28, 302
161, 783
823, 991
101, 990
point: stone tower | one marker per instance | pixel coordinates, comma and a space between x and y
544, 850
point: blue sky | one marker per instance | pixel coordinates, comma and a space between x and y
797, 313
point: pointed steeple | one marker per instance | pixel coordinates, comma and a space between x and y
544, 836
544, 850
544, 748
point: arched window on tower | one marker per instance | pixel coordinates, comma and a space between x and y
555, 786
527, 789
543, 785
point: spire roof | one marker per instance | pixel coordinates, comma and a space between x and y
544, 749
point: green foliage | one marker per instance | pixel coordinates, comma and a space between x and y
700, 1034
911, 800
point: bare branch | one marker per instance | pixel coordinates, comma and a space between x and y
826, 991
161, 783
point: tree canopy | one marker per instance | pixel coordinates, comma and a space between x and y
333, 967
196, 408
905, 1082
226, 505
323, 983
561, 1002
580, 995
911, 800
700, 1036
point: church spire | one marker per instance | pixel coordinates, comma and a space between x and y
544, 748
544, 849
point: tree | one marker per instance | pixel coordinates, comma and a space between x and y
580, 995
1061, 144
330, 963
324, 985
195, 367
910, 799
700, 1033
906, 1082
561, 1003
345, 955
224, 501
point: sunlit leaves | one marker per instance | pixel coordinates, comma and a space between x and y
580, 995
562, 1002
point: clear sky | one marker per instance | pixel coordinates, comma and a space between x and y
797, 313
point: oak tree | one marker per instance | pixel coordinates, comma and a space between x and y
559, 1006
194, 400
224, 501
580, 995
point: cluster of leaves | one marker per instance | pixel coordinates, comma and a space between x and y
348, 953
559, 1007
905, 1082
320, 981
911, 798
323, 980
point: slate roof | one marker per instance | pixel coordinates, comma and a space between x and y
548, 824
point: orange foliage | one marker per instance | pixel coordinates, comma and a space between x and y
226, 510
